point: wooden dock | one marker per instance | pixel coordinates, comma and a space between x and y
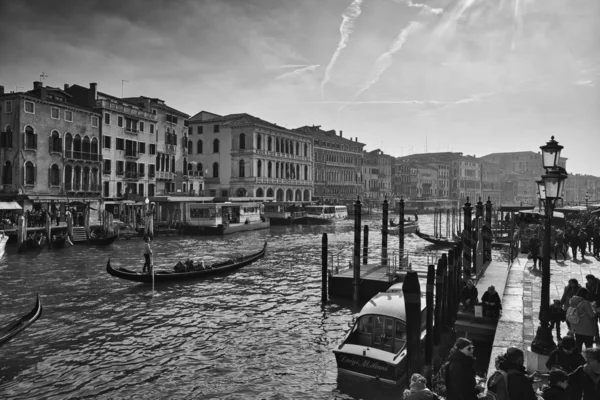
495, 273
374, 278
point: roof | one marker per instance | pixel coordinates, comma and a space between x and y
10, 205
156, 102
241, 119
389, 304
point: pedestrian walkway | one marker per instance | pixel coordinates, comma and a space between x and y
522, 299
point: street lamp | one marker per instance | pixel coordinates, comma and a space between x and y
587, 197
549, 191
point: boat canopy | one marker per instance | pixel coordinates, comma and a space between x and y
388, 304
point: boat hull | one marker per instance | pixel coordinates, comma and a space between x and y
369, 367
169, 276
12, 329
436, 241
220, 230
287, 221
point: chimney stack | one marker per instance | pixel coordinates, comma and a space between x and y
93, 94
341, 133
1, 89
66, 87
37, 85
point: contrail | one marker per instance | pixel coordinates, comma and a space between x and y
288, 66
449, 20
385, 60
297, 72
424, 7
346, 28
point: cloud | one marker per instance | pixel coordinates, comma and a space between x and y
590, 83
346, 28
297, 72
385, 60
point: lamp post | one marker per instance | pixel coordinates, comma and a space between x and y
549, 191
587, 197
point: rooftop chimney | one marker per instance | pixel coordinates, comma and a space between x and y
37, 85
66, 87
93, 94
1, 89
341, 133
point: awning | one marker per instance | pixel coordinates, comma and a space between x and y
10, 205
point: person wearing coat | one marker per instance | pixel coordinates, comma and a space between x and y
586, 328
557, 385
461, 383
469, 295
534, 250
585, 380
491, 303
570, 290
565, 356
519, 385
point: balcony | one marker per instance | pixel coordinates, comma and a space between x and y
170, 148
131, 130
165, 175
133, 176
71, 155
194, 175
126, 110
130, 155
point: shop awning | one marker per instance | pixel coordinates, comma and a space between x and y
9, 205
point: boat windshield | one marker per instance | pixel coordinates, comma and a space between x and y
380, 332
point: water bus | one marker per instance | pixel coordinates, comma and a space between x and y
286, 212
223, 218
325, 214
375, 347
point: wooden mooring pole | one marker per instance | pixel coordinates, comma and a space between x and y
449, 316
356, 283
439, 298
429, 339
412, 303
366, 245
324, 268
467, 236
401, 230
384, 234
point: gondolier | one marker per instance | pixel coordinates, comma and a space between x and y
147, 254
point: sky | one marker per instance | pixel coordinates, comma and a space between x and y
405, 76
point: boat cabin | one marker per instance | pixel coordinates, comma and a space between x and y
285, 209
327, 211
211, 214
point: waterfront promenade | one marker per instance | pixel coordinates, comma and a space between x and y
522, 295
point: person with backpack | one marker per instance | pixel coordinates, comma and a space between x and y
560, 246
510, 380
585, 380
570, 290
557, 385
593, 286
582, 318
460, 381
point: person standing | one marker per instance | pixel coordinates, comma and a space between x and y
573, 242
584, 325
57, 217
585, 380
461, 382
593, 286
534, 249
582, 239
557, 315
557, 385
519, 385
147, 255
570, 290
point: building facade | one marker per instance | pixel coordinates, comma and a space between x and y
245, 156
377, 177
49, 147
337, 166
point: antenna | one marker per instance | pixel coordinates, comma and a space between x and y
42, 76
122, 81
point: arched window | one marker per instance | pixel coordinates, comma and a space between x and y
7, 173
277, 145
54, 175
200, 169
77, 147
242, 140
6, 137
68, 177
306, 172
287, 147
29, 173
55, 142
199, 147
216, 146
269, 170
260, 192
259, 169
190, 147
190, 166
242, 172
30, 138
259, 143
94, 147
85, 148
215, 173
68, 142
269, 144
297, 148
269, 192
86, 178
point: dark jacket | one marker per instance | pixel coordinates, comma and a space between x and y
461, 377
557, 314
470, 294
594, 291
492, 298
566, 362
583, 382
519, 385
534, 246
554, 393
567, 294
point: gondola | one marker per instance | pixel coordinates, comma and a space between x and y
3, 241
13, 328
103, 240
174, 275
437, 241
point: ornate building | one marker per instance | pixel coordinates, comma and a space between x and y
338, 162
49, 147
245, 156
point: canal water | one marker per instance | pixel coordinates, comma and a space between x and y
258, 333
